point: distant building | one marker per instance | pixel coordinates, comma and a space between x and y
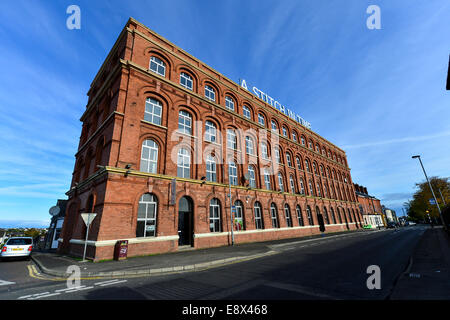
51, 240
369, 207
391, 216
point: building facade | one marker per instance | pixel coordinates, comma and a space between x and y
370, 208
166, 140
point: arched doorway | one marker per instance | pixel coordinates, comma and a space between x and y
185, 222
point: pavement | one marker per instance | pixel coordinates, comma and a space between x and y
428, 274
54, 264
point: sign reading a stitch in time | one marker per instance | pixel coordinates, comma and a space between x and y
274, 103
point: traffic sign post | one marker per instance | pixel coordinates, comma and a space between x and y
87, 218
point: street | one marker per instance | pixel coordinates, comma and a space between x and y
330, 268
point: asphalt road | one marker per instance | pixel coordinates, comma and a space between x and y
330, 269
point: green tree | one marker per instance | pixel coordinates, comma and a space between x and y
417, 207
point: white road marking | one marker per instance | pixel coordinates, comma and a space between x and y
6, 283
81, 289
107, 284
43, 296
23, 297
98, 283
66, 289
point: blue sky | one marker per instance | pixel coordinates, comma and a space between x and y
378, 94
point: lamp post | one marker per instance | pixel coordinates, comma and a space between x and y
432, 192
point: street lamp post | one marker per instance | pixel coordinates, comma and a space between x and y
432, 192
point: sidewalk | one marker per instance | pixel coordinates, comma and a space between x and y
428, 275
55, 264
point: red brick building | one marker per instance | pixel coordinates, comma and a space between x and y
166, 139
369, 207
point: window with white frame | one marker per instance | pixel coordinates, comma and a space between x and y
274, 126
146, 220
246, 112
158, 66
267, 179
229, 103
232, 173
274, 215
294, 136
264, 151
311, 190
231, 139
259, 224
299, 164
211, 171
325, 215
299, 216
302, 187
288, 159
184, 122
307, 165
277, 155
239, 216
210, 93
291, 180
184, 163
214, 215
284, 131
249, 147
153, 110
149, 156
252, 176
186, 81
261, 120
280, 181
309, 215
303, 141
210, 131
333, 216
287, 214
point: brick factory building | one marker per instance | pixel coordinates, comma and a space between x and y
166, 139
370, 208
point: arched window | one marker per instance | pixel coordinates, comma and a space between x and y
184, 163
302, 139
291, 181
211, 170
149, 156
231, 139
294, 136
309, 215
339, 215
261, 119
325, 215
239, 216
333, 216
274, 215
249, 146
229, 103
274, 126
307, 165
153, 110
210, 131
299, 163
246, 112
277, 155
146, 220
302, 186
288, 159
299, 216
186, 81
280, 181
349, 215
210, 93
267, 179
287, 214
185, 122
315, 167
251, 176
214, 216
311, 190
232, 173
284, 131
259, 223
264, 151
158, 66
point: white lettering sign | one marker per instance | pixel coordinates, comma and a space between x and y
271, 101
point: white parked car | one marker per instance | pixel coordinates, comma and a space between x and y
17, 247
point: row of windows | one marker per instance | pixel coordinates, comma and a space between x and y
149, 163
158, 66
148, 208
185, 123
